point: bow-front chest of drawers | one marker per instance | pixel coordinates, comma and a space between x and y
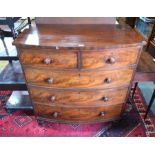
78, 73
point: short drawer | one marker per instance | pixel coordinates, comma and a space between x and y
109, 58
76, 79
90, 114
51, 58
78, 98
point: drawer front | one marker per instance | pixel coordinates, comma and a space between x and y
78, 114
75, 79
109, 58
49, 58
78, 98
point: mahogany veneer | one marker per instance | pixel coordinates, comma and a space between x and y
78, 79
79, 73
78, 97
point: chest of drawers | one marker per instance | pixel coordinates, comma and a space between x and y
78, 73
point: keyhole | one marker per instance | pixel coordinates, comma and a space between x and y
79, 95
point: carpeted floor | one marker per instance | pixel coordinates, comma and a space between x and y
23, 123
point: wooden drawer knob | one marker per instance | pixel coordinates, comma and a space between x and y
52, 98
47, 61
105, 99
54, 114
108, 80
50, 80
102, 114
111, 60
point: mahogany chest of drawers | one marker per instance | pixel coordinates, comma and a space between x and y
78, 73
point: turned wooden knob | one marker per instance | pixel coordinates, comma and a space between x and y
105, 99
102, 114
111, 60
47, 61
55, 114
50, 80
108, 80
52, 98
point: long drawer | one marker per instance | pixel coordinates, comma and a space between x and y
109, 58
78, 114
77, 79
78, 98
59, 59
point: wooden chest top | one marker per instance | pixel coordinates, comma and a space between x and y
79, 36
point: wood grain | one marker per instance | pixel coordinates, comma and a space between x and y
90, 36
78, 114
100, 59
75, 79
58, 58
78, 98
78, 73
